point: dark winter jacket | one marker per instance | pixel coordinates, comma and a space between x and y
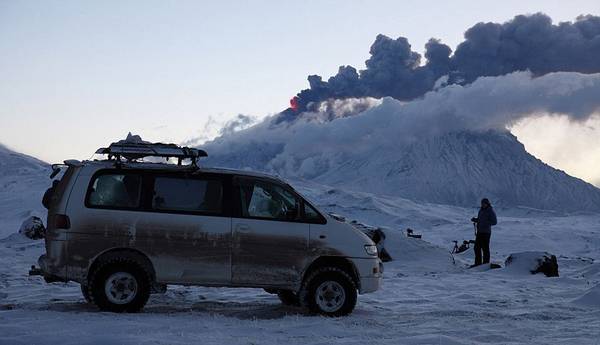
485, 219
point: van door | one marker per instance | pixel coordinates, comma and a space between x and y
270, 242
188, 228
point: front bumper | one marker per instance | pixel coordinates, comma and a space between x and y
370, 272
369, 284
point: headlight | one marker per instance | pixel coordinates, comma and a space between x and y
371, 249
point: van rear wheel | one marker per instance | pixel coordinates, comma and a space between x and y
119, 285
329, 291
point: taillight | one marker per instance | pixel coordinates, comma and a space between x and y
61, 221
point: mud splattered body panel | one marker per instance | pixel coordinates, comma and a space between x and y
182, 248
188, 248
269, 251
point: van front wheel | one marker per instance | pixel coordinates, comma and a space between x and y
119, 285
329, 291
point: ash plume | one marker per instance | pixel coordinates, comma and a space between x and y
489, 103
525, 43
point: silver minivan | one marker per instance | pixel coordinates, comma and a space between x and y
124, 229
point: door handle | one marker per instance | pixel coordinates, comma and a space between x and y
242, 228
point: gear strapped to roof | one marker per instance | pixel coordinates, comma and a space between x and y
132, 151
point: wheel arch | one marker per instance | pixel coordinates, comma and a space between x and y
335, 261
129, 253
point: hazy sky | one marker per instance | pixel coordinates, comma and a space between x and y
76, 75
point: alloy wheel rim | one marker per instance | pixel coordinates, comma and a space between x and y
121, 288
330, 296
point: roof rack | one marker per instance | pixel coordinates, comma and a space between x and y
137, 150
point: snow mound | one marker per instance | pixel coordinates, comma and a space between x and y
416, 255
590, 299
33, 228
527, 263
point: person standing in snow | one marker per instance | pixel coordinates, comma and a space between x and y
485, 219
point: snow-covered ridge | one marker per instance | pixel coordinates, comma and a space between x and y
14, 163
23, 180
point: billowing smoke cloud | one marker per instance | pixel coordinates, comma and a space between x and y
332, 109
240, 122
214, 127
307, 148
530, 43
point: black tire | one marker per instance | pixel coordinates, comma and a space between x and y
288, 297
322, 277
85, 293
137, 282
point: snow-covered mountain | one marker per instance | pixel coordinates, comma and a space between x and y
457, 168
23, 180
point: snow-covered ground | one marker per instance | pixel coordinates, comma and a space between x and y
426, 297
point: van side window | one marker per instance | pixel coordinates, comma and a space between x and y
187, 194
116, 190
260, 199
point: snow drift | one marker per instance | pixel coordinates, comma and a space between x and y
451, 146
590, 299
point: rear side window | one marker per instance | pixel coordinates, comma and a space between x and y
188, 195
115, 190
